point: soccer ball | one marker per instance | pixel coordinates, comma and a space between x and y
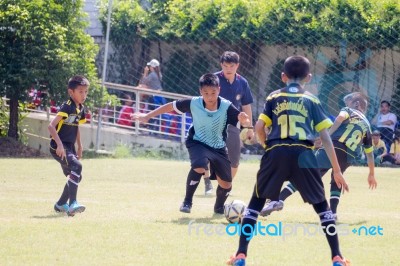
234, 211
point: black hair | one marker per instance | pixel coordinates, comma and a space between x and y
229, 57
76, 81
387, 102
359, 102
296, 67
209, 79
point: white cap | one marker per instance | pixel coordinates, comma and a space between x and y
153, 63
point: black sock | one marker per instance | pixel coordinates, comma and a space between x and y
192, 182
287, 191
222, 195
248, 222
72, 188
335, 197
64, 196
328, 222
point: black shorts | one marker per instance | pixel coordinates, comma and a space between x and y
289, 162
70, 164
344, 159
200, 155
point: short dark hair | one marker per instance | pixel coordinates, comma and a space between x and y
76, 81
376, 133
229, 57
387, 102
359, 101
296, 67
209, 79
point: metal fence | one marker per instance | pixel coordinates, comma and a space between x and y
348, 43
172, 126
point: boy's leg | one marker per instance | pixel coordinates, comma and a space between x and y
232, 140
207, 182
270, 178
335, 197
74, 178
249, 220
223, 190
329, 227
221, 166
64, 196
61, 205
192, 183
287, 192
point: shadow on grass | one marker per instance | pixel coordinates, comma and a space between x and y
50, 216
215, 219
263, 220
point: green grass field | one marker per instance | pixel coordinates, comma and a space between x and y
132, 218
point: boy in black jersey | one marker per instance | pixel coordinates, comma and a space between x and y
64, 133
351, 134
294, 116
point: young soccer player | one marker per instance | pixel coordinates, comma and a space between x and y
234, 88
206, 138
294, 115
64, 133
351, 134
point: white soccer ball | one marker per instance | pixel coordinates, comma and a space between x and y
234, 211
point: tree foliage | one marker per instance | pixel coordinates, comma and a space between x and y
273, 22
42, 42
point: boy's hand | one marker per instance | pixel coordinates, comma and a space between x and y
340, 181
372, 182
139, 116
60, 151
79, 153
244, 119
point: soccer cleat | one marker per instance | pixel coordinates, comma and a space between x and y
61, 208
338, 261
271, 207
185, 207
208, 187
239, 260
74, 208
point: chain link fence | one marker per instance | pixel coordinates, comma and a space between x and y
352, 45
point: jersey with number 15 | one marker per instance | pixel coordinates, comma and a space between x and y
293, 114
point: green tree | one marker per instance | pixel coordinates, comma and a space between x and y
42, 42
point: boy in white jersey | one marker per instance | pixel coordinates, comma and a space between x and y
206, 138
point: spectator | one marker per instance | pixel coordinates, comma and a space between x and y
380, 150
124, 117
394, 155
152, 76
385, 122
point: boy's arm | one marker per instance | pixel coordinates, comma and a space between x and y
371, 165
79, 143
53, 133
260, 132
166, 108
330, 151
247, 109
338, 121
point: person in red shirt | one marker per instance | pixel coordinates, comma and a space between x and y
124, 117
